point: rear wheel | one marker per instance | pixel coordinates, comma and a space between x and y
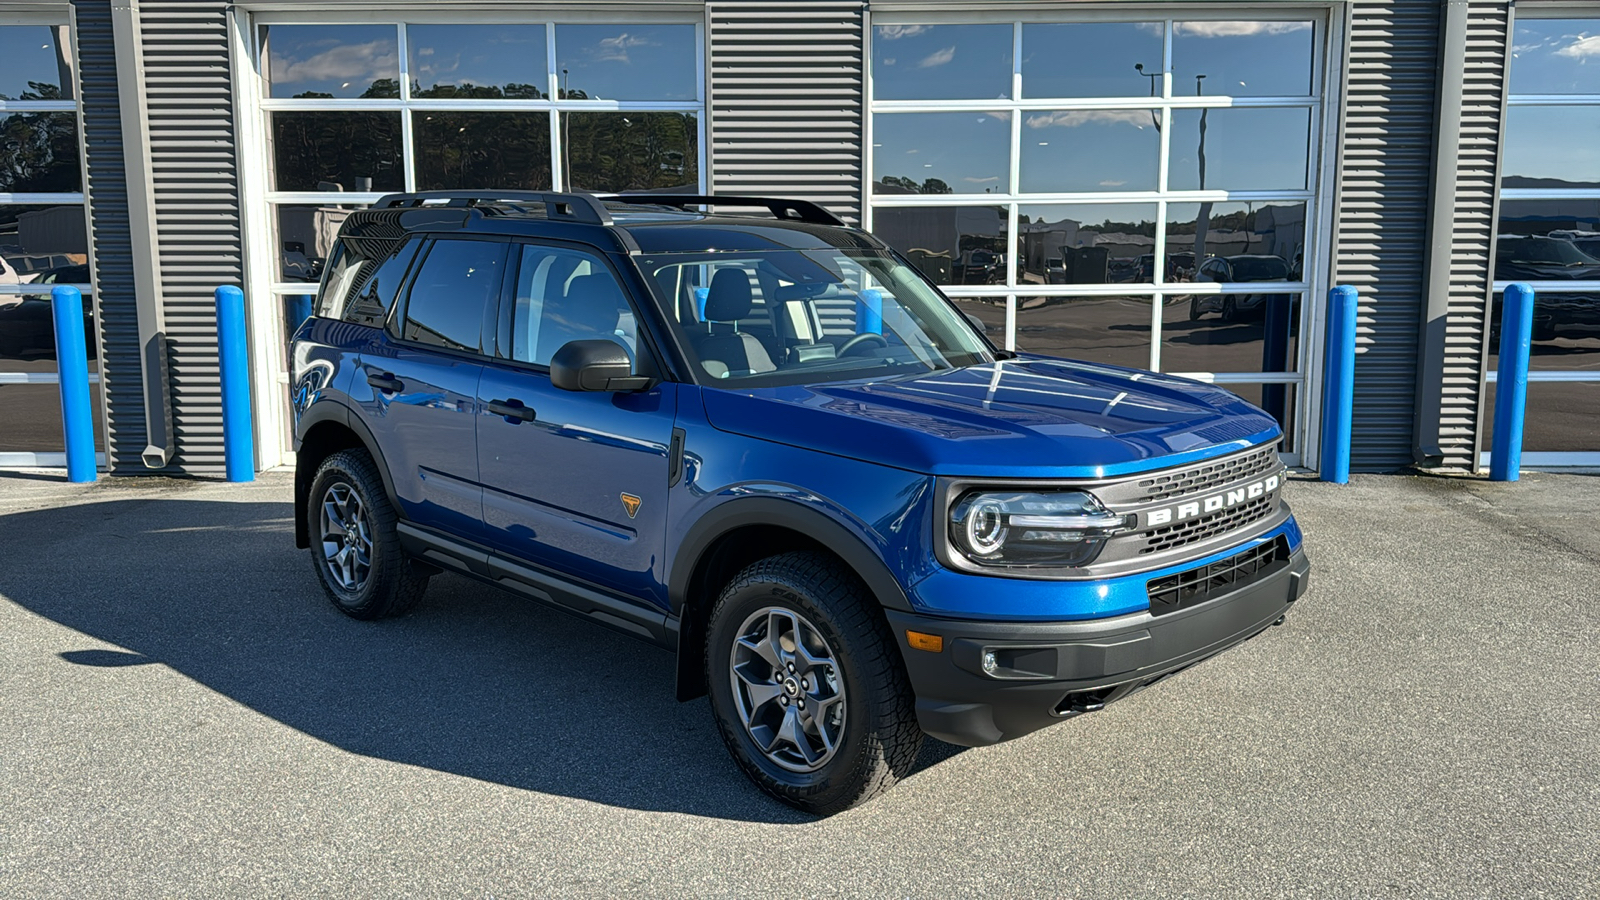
807, 686
355, 547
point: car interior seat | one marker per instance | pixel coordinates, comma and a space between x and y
726, 350
590, 309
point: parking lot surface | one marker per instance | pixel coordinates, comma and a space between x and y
182, 713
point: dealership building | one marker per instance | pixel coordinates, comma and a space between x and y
1173, 186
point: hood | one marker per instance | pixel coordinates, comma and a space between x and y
1033, 417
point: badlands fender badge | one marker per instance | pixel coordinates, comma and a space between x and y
631, 504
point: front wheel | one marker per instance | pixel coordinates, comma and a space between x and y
807, 685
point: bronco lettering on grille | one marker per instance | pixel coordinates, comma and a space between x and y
1205, 505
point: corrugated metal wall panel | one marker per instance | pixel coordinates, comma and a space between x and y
107, 189
192, 154
1381, 233
785, 92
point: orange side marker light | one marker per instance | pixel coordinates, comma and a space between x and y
932, 643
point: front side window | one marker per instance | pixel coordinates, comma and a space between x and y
566, 295
454, 291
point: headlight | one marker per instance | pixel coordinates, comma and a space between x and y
1010, 529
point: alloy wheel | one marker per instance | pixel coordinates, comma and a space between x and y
789, 689
346, 537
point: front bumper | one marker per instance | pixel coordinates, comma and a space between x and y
1054, 670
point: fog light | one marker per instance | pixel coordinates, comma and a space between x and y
990, 666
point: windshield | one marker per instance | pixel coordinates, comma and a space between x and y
1544, 251
1266, 269
774, 317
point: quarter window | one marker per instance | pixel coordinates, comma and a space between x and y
455, 289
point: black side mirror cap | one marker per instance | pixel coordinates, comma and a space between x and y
594, 366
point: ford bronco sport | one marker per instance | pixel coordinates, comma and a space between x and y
767, 443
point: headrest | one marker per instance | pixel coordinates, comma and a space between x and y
729, 298
593, 303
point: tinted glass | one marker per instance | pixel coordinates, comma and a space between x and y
35, 63
1562, 417
1242, 59
941, 153
627, 62
1239, 149
1075, 151
941, 62
567, 295
328, 61
1199, 231
949, 244
1103, 243
1555, 56
39, 153
632, 151
459, 281
1233, 332
43, 244
1552, 146
33, 418
1277, 400
990, 312
477, 61
1548, 240
306, 236
1092, 59
336, 151
1566, 331
370, 306
1112, 330
458, 150
27, 333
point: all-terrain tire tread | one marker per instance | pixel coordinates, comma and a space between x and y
399, 587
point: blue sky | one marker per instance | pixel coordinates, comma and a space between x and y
478, 54
27, 53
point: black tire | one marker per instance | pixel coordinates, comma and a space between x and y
391, 586
1230, 309
1194, 309
878, 739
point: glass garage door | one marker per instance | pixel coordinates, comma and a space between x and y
1141, 191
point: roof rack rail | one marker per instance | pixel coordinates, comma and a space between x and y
780, 207
571, 207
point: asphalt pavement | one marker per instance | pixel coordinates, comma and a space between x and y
183, 714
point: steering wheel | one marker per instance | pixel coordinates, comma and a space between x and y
860, 339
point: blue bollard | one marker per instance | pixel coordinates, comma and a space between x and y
72, 366
297, 309
1511, 385
869, 312
700, 295
1339, 385
234, 362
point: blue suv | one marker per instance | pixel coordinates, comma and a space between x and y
768, 443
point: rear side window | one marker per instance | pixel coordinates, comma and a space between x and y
344, 269
456, 288
371, 301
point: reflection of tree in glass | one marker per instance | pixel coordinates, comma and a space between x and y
930, 186
39, 151
349, 148
470, 91
468, 150
632, 151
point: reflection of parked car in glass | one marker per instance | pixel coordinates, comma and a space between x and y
64, 275
1538, 258
1235, 270
1586, 241
27, 326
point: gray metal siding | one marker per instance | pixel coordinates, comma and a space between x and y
785, 95
1381, 232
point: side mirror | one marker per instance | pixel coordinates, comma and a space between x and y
976, 323
594, 366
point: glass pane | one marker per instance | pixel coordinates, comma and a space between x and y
1092, 59
1112, 330
306, 236
336, 151
1074, 151
1562, 417
1239, 149
457, 150
1566, 332
33, 418
941, 153
44, 245
1242, 59
1575, 221
1547, 254
632, 151
1551, 147
988, 311
633, 62
1106, 243
28, 336
1241, 234
948, 244
326, 61
566, 295
477, 61
1230, 333
1552, 56
941, 62
39, 153
458, 281
1278, 400
37, 62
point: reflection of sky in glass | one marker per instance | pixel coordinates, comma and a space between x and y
337, 60
1242, 59
968, 151
1544, 216
627, 62
1122, 217
1553, 142
1245, 149
29, 54
1090, 59
1556, 56
941, 62
1272, 228
1089, 150
482, 55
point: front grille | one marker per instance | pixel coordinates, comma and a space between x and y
1174, 592
1199, 479
1196, 530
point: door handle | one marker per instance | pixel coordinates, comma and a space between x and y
387, 382
513, 410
